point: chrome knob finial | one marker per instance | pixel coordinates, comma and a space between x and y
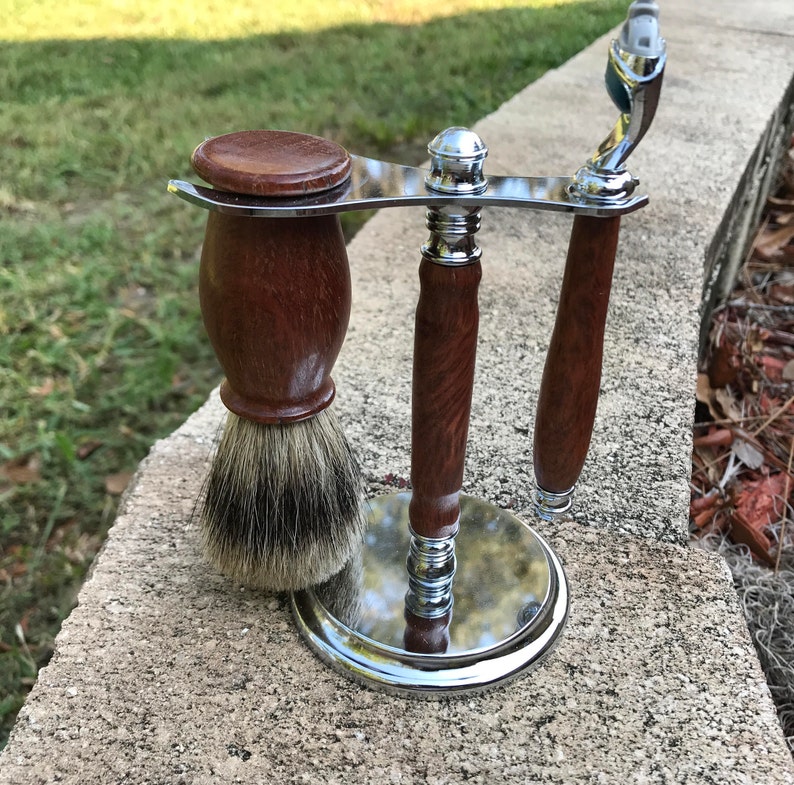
456, 166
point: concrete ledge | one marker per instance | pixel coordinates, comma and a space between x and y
166, 673
174, 675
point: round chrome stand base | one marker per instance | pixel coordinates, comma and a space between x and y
510, 604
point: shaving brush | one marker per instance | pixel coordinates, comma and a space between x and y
282, 507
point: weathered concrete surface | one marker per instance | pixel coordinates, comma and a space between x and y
167, 674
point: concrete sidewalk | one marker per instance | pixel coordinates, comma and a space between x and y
166, 673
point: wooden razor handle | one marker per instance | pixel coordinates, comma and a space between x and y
427, 636
572, 374
275, 293
447, 319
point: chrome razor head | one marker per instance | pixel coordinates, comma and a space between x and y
639, 35
637, 57
635, 67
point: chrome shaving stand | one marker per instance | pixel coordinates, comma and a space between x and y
510, 604
450, 594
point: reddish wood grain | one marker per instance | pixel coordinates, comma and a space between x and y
426, 636
271, 163
275, 299
447, 319
572, 373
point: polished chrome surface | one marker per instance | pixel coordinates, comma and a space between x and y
548, 504
377, 184
431, 568
456, 165
510, 605
634, 81
451, 242
458, 156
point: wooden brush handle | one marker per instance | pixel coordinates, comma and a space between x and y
275, 299
572, 374
275, 293
447, 319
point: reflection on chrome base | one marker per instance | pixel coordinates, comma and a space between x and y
510, 605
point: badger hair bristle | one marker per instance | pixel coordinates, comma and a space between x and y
283, 504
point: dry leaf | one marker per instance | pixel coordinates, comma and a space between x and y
720, 402
788, 371
23, 470
778, 336
116, 483
83, 550
782, 293
754, 340
88, 448
44, 389
137, 301
727, 403
747, 454
15, 570
724, 365
703, 389
770, 244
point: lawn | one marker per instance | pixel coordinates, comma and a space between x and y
100, 336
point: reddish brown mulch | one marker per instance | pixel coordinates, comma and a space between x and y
742, 459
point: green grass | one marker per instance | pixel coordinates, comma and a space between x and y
100, 334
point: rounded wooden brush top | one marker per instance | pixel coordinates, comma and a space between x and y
271, 163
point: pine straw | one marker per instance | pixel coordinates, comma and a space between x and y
767, 596
742, 480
